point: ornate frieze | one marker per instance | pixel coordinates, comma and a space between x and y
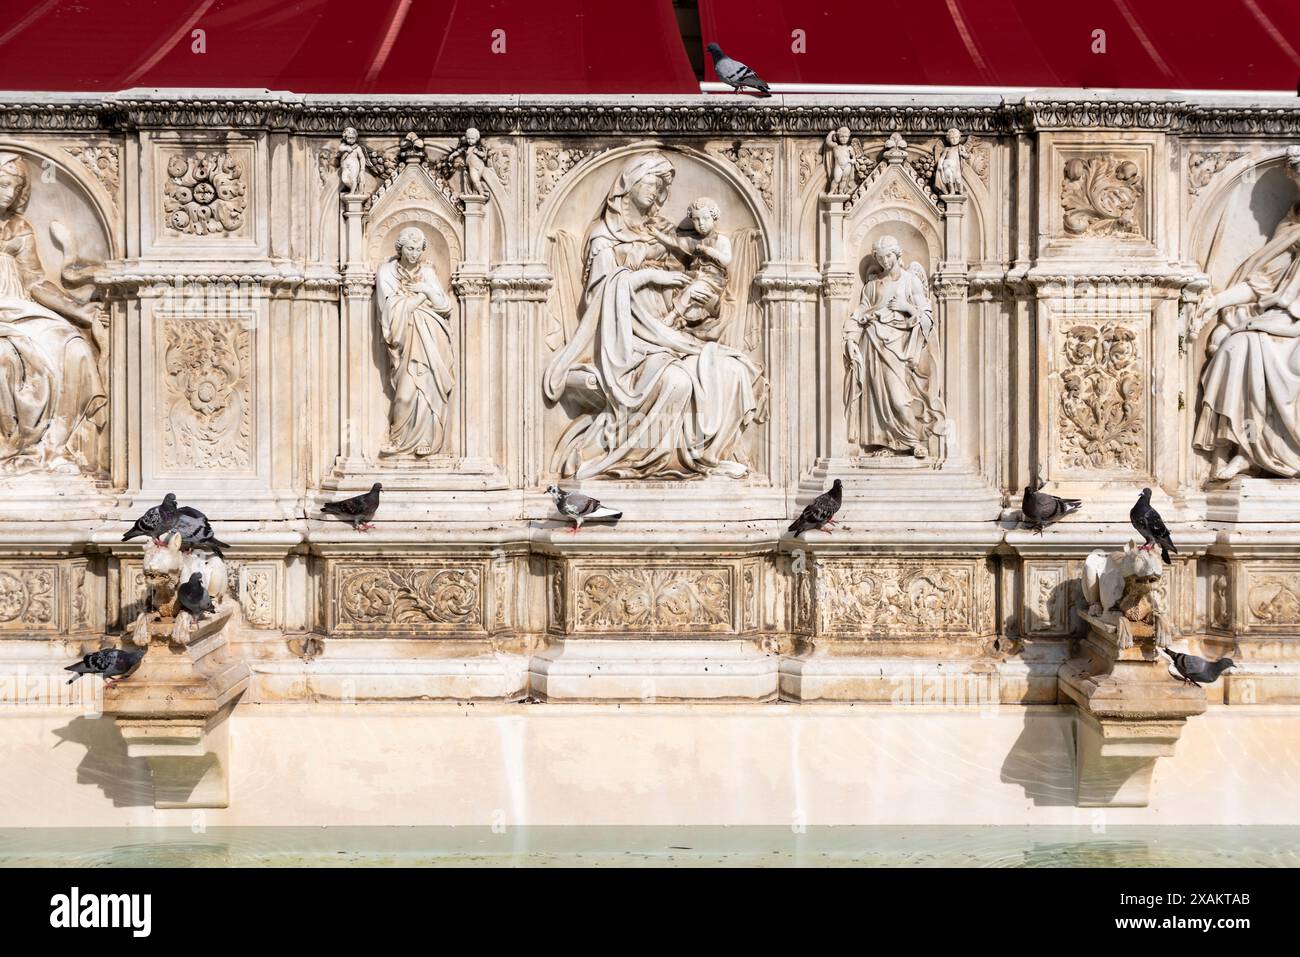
255, 584
434, 598
1272, 598
206, 394
639, 599
1048, 598
890, 598
28, 598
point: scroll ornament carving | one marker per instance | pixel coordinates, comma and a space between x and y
1203, 167
756, 163
255, 587
80, 609
1101, 398
410, 596
205, 194
209, 417
552, 163
103, 163
654, 599
905, 597
27, 596
1275, 599
1100, 197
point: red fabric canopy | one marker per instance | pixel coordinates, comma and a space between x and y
346, 46
1173, 44
626, 46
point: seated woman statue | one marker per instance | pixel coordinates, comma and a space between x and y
1250, 400
662, 402
52, 399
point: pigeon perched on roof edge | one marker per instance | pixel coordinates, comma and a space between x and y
358, 510
820, 512
1040, 508
736, 74
581, 508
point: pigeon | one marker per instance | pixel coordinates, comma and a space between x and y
1196, 670
194, 597
1151, 526
1040, 508
820, 512
112, 663
156, 522
358, 510
581, 508
735, 74
196, 531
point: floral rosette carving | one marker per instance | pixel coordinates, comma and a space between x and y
205, 195
1100, 197
1101, 412
209, 422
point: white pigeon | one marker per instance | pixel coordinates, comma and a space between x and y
735, 74
581, 508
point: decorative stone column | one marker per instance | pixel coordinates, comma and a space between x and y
354, 337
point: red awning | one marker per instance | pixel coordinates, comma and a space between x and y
1152, 44
626, 46
347, 46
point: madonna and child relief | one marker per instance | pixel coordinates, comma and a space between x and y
654, 364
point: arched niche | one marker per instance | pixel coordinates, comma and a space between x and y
917, 233
415, 199
580, 196
61, 192
1247, 201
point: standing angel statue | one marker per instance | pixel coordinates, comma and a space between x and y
892, 389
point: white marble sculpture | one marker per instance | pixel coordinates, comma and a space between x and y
892, 387
837, 156
948, 158
1250, 400
414, 315
707, 253
352, 162
660, 402
52, 399
1119, 589
470, 157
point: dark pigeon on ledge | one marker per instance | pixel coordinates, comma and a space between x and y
1039, 508
1151, 526
112, 663
820, 512
1196, 670
194, 597
155, 522
358, 510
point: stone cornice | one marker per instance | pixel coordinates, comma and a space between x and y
650, 116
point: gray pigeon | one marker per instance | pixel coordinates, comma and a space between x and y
735, 74
112, 663
156, 522
820, 512
196, 531
358, 510
1196, 670
1151, 526
194, 597
581, 508
1040, 508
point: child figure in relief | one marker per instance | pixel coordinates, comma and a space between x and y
708, 257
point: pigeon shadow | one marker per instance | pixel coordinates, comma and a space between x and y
125, 780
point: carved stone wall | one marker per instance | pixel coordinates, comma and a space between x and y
1063, 303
